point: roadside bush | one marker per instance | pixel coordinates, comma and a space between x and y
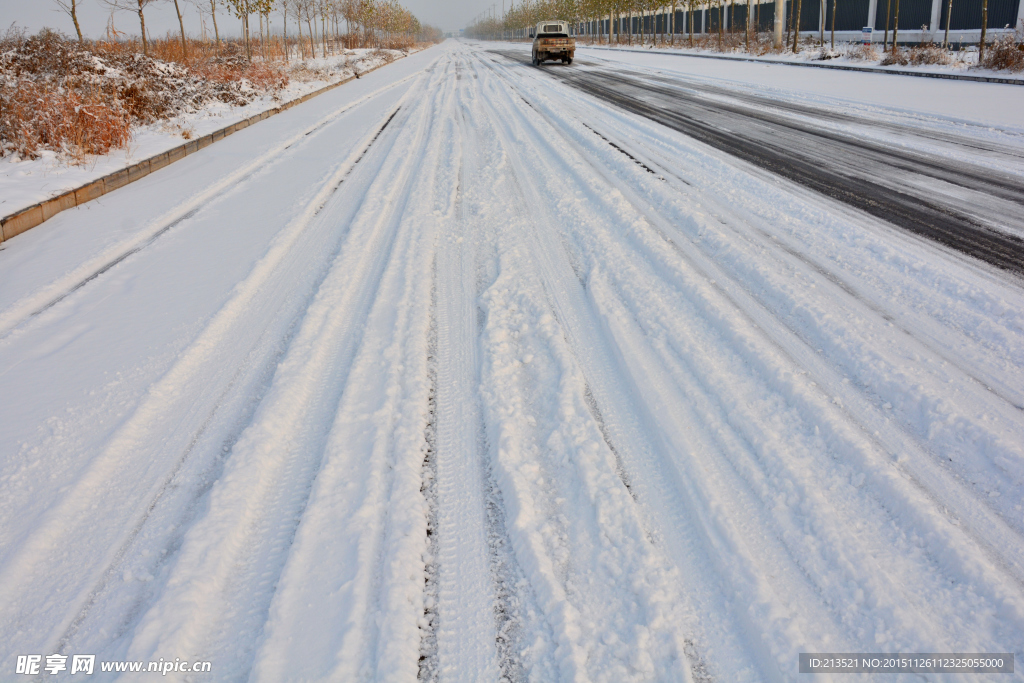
929, 54
386, 56
863, 53
33, 118
1005, 53
79, 99
896, 57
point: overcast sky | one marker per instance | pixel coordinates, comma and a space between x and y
93, 15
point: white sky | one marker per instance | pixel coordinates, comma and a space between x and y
33, 15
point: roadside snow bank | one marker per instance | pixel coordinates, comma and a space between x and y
24, 181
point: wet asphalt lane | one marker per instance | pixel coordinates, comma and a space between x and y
965, 206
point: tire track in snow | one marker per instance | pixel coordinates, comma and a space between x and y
641, 209
428, 661
679, 506
926, 332
466, 637
199, 380
236, 554
929, 218
582, 477
41, 301
361, 552
342, 172
998, 539
944, 490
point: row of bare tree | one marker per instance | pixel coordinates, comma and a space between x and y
373, 21
530, 12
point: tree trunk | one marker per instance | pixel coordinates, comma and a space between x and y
888, 11
721, 16
142, 23
181, 25
213, 14
245, 30
74, 18
312, 38
672, 26
949, 16
780, 19
302, 44
691, 22
823, 12
750, 15
833, 24
896, 26
984, 29
796, 25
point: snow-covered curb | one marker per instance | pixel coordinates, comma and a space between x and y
34, 191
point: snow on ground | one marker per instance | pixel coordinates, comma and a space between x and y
845, 54
24, 182
459, 373
972, 102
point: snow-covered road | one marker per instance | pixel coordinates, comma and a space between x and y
461, 373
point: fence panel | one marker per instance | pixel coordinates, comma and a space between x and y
809, 13
913, 14
851, 15
967, 14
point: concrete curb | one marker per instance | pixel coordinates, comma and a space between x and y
25, 219
837, 67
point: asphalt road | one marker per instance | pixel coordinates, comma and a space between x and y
943, 194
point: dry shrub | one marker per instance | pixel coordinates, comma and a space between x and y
227, 70
384, 55
79, 99
1006, 52
78, 123
896, 57
918, 55
863, 53
929, 54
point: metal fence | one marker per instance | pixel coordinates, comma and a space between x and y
919, 20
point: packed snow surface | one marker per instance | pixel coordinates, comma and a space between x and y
459, 373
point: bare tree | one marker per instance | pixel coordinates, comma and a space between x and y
213, 15
242, 9
181, 25
70, 7
137, 7
285, 8
949, 12
896, 27
796, 25
984, 28
833, 24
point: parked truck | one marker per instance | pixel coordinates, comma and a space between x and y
552, 41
